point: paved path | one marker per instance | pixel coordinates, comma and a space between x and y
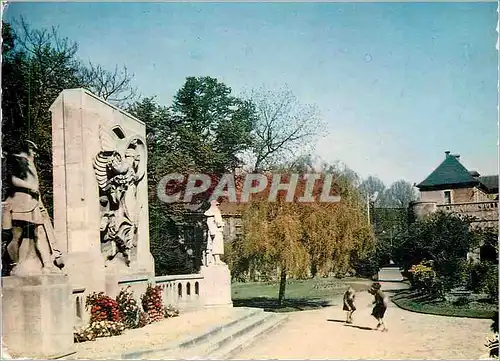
322, 334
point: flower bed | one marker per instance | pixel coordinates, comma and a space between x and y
109, 317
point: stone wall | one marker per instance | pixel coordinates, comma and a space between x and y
87, 130
486, 212
458, 195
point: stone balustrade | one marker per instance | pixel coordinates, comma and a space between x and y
182, 291
486, 211
79, 305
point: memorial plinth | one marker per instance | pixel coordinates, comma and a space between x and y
37, 316
217, 285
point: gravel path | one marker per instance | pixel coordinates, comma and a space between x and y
156, 335
322, 334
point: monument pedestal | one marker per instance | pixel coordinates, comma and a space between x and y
37, 316
216, 286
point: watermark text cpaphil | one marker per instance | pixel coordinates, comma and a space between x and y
309, 187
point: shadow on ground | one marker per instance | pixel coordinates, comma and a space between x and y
290, 305
351, 325
418, 297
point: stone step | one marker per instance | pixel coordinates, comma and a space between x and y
245, 340
170, 351
390, 274
223, 341
214, 340
230, 335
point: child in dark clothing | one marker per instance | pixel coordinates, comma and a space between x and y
349, 297
381, 303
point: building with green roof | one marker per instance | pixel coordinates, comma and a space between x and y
452, 183
453, 188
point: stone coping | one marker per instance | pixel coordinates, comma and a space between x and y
161, 279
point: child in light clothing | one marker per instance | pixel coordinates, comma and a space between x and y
349, 306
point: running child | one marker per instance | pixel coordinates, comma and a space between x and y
349, 306
381, 303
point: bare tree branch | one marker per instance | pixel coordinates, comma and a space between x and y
113, 86
285, 126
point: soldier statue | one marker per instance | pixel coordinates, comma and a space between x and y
31, 244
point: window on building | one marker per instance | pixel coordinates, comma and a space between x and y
447, 197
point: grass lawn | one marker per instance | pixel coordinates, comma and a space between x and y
411, 301
299, 294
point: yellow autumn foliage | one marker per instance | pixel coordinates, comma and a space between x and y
301, 236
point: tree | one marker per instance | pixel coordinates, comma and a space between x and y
204, 131
400, 194
284, 127
214, 128
305, 237
37, 65
373, 187
345, 173
112, 86
443, 238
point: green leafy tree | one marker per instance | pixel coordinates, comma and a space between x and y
204, 131
443, 238
164, 157
213, 127
37, 65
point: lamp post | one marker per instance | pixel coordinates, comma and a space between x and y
370, 199
393, 229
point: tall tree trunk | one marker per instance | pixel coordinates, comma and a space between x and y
314, 269
281, 295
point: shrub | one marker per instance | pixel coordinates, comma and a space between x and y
491, 283
99, 329
484, 278
84, 334
143, 319
102, 308
443, 237
171, 311
128, 307
492, 345
152, 302
494, 324
462, 301
423, 277
367, 266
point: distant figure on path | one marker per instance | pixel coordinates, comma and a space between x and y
349, 306
381, 303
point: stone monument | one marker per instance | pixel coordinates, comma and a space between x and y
100, 193
217, 277
36, 297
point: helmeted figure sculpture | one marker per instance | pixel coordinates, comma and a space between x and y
215, 241
32, 247
118, 177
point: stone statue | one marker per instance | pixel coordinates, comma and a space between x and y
32, 247
118, 177
215, 241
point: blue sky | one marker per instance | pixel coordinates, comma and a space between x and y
397, 83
